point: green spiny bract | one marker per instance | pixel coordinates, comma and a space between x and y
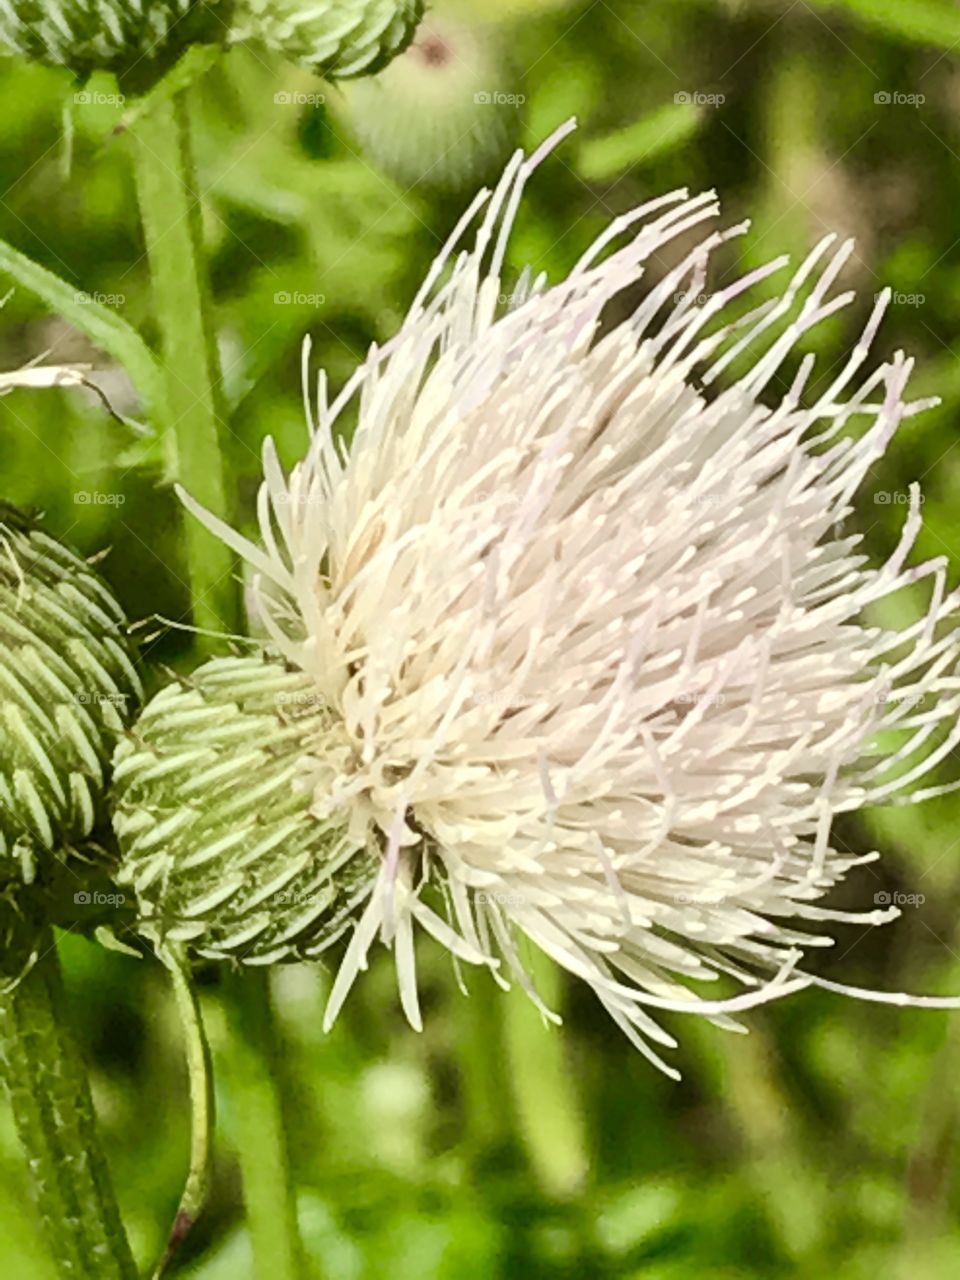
68, 686
135, 38
216, 835
339, 38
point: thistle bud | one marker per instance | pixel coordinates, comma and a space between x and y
67, 687
339, 38
216, 833
446, 114
109, 35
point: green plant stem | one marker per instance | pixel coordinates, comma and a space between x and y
194, 411
196, 418
254, 1071
47, 1083
477, 1021
202, 1107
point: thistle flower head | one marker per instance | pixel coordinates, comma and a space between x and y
214, 826
584, 607
68, 685
139, 36
340, 38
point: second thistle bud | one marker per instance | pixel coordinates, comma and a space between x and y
67, 687
339, 38
216, 834
446, 114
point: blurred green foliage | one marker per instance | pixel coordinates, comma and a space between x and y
824, 1144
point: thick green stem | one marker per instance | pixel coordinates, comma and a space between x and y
53, 1111
195, 416
254, 1071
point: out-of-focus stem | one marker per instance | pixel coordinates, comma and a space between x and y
478, 1030
546, 1100
170, 208
46, 1080
255, 1074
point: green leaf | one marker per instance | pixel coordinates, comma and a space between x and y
99, 323
925, 21
662, 131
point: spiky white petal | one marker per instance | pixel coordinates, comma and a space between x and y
589, 616
43, 377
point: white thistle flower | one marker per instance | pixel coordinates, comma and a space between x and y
590, 623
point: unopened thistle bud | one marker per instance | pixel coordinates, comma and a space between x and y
215, 827
445, 115
68, 685
123, 36
339, 38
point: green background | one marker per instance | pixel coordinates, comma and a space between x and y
824, 1143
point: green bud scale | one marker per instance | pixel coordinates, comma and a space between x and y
216, 835
140, 37
68, 686
339, 38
